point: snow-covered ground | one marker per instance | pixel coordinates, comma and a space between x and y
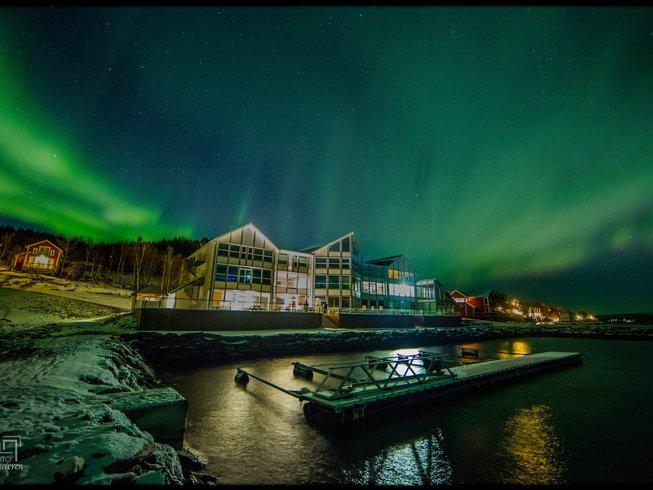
100, 294
51, 397
20, 310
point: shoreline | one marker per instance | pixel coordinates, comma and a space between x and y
206, 348
58, 402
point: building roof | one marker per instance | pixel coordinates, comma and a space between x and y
43, 242
384, 260
313, 249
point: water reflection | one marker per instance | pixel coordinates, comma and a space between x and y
422, 461
540, 430
532, 448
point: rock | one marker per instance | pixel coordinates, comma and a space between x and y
202, 479
191, 460
71, 470
151, 478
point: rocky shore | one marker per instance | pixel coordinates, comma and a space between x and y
211, 348
56, 397
58, 381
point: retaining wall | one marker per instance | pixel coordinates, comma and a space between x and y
177, 319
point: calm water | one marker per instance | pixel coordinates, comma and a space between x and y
588, 423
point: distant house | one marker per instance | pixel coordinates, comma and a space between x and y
471, 306
43, 256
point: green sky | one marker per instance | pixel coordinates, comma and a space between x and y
501, 147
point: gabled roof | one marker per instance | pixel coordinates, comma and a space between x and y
248, 225
313, 249
43, 241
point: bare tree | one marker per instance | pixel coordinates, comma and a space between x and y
138, 253
6, 240
167, 267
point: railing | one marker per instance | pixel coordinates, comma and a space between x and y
190, 304
378, 311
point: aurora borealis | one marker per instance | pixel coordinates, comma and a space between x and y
497, 148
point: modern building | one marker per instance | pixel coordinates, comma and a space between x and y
433, 298
471, 306
244, 270
42, 256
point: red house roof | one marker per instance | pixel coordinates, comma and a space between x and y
43, 242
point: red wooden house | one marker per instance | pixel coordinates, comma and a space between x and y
471, 306
43, 256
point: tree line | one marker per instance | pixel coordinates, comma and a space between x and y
130, 264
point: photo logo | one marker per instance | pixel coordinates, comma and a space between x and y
9, 453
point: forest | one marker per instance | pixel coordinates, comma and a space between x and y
130, 264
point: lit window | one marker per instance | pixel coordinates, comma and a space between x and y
232, 273
245, 276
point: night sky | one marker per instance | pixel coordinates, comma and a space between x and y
497, 148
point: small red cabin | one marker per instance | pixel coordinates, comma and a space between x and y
471, 306
43, 256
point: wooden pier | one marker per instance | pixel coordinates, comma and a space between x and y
354, 391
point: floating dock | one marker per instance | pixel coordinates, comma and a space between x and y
354, 391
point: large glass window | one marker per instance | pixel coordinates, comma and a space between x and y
320, 282
256, 276
320, 262
245, 276
346, 263
267, 255
258, 254
366, 287
345, 282
234, 251
303, 261
223, 249
221, 272
232, 273
282, 259
334, 282
334, 263
267, 276
345, 244
334, 247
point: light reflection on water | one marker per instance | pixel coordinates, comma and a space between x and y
533, 448
419, 462
544, 429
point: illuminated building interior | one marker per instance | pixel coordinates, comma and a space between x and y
244, 270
